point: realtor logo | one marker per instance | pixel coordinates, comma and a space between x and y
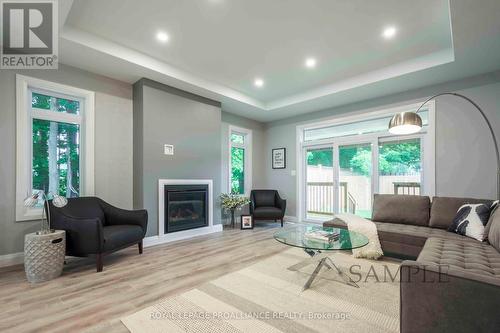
29, 34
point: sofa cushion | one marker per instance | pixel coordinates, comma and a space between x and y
401, 233
494, 207
444, 209
116, 236
264, 198
494, 230
268, 212
82, 208
402, 239
403, 209
464, 254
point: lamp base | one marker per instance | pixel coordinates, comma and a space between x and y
45, 232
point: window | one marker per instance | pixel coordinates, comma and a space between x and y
343, 162
55, 153
55, 141
376, 125
240, 155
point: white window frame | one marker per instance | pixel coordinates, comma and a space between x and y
24, 116
427, 136
247, 145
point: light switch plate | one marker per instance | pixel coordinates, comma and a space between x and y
168, 149
293, 173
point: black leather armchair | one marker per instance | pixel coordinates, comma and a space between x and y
94, 227
267, 205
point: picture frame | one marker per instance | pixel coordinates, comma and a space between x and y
279, 158
246, 222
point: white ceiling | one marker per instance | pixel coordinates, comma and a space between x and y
218, 47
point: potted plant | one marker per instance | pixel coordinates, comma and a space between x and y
231, 202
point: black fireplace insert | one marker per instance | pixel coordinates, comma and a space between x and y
186, 207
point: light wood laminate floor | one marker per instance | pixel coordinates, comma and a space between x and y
83, 300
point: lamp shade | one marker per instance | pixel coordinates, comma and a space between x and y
405, 123
32, 200
59, 201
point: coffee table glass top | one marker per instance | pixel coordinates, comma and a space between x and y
295, 236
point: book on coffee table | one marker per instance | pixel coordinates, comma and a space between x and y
322, 235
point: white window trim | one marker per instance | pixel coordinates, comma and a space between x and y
248, 143
24, 142
428, 137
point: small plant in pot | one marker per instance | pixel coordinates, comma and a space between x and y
231, 202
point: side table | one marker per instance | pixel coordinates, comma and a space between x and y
44, 255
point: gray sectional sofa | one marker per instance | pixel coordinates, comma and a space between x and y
449, 282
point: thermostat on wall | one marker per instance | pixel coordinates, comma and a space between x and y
168, 149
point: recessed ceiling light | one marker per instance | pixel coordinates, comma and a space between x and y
389, 32
162, 36
258, 82
310, 62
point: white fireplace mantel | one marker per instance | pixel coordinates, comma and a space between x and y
162, 237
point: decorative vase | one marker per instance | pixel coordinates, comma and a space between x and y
232, 217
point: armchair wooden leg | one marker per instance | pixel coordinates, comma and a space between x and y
140, 247
282, 223
98, 262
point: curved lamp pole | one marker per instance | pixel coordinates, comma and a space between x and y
410, 122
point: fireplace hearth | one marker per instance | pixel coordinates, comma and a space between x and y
186, 207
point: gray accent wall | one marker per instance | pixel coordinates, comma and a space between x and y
113, 144
166, 115
465, 158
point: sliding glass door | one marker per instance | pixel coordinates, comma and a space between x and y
400, 166
344, 161
341, 177
355, 179
338, 179
319, 187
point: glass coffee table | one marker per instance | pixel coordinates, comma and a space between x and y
319, 251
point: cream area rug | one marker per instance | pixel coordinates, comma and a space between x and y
267, 297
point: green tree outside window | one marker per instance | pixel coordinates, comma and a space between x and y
237, 170
55, 148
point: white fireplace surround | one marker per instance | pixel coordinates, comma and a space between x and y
162, 237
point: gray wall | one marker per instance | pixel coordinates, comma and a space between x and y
165, 115
465, 161
113, 144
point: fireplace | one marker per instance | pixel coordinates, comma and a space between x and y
186, 207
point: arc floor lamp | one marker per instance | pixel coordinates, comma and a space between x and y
410, 122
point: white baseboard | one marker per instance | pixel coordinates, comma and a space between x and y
11, 259
180, 235
291, 219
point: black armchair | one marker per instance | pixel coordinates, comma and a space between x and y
94, 227
267, 205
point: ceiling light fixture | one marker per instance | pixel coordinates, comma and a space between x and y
258, 82
389, 32
162, 36
310, 62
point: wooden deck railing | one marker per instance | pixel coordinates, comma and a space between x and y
408, 188
320, 198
